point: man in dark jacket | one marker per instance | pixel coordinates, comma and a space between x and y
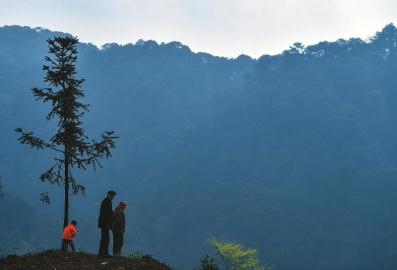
105, 223
118, 228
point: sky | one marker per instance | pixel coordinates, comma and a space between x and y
220, 27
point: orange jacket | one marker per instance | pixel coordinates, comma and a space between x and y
69, 232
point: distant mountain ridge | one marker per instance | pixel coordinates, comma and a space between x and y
292, 154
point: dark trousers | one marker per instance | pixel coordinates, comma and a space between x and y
118, 240
104, 244
66, 243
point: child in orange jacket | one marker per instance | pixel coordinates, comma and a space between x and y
67, 236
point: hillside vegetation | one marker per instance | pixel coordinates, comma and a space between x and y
292, 154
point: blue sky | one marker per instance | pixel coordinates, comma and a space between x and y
220, 27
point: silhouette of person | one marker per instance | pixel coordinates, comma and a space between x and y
118, 228
105, 223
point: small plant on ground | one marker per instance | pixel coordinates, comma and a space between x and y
208, 263
135, 254
235, 256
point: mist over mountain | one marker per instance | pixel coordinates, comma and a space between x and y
292, 154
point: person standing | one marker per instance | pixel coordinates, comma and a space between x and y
118, 228
68, 234
105, 223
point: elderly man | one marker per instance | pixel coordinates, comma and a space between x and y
118, 228
105, 223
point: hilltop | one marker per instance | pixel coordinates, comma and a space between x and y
64, 261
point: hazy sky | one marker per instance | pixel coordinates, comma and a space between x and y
220, 27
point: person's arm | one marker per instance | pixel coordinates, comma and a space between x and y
116, 219
123, 222
109, 214
72, 232
101, 214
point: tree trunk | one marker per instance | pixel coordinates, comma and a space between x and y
66, 195
66, 206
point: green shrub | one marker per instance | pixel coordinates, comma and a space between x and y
208, 263
237, 257
135, 254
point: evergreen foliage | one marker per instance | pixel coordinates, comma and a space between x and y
64, 93
237, 257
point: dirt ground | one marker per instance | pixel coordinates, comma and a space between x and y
57, 260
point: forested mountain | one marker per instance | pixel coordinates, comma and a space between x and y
293, 154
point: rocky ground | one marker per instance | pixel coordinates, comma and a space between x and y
57, 260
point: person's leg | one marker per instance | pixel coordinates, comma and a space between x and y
72, 245
106, 242
117, 244
64, 245
121, 242
102, 247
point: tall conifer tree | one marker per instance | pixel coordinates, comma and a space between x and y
74, 147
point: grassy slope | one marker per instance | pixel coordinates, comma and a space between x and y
74, 261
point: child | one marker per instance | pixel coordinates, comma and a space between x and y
67, 236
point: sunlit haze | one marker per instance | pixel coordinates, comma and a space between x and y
220, 27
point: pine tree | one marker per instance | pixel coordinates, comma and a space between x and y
63, 93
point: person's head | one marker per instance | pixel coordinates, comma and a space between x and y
74, 222
111, 194
123, 204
